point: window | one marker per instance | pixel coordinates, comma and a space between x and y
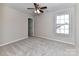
62, 24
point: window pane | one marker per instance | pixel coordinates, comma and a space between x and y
66, 31
62, 17
61, 27
57, 31
58, 17
66, 27
62, 30
58, 22
67, 21
62, 21
66, 17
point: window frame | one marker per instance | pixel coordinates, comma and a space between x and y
63, 12
63, 25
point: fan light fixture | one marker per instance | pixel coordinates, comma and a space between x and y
37, 8
37, 11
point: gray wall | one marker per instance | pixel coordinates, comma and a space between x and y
0, 23
77, 27
14, 25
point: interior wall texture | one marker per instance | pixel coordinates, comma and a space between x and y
77, 27
44, 26
0, 22
14, 24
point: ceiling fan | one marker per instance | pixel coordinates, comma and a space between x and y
38, 8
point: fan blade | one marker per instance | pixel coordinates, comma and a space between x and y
30, 8
44, 7
41, 11
35, 4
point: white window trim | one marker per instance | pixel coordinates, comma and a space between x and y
72, 36
60, 24
64, 11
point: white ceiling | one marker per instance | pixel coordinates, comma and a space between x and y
50, 6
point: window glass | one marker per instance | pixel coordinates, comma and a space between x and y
62, 24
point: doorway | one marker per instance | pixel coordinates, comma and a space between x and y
30, 27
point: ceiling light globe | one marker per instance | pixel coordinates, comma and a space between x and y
35, 11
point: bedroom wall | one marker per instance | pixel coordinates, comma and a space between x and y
14, 25
77, 28
44, 27
0, 22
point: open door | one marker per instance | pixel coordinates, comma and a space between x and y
30, 27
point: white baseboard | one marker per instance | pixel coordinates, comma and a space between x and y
13, 41
55, 40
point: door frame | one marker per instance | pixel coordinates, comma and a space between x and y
32, 26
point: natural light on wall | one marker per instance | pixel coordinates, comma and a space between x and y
62, 24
